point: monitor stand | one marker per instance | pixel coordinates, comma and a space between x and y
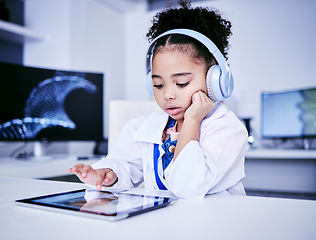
39, 152
307, 143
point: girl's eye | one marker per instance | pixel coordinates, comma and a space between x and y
158, 86
183, 84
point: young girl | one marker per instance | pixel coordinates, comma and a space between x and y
194, 146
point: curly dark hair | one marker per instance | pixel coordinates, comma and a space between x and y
204, 20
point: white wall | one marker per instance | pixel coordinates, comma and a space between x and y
272, 48
83, 35
137, 25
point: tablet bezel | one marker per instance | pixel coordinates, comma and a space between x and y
32, 202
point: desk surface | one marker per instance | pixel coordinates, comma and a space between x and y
214, 217
286, 154
39, 168
58, 165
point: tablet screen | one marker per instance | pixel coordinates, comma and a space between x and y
100, 204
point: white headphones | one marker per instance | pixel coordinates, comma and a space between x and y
219, 80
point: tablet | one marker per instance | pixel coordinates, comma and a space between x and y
98, 204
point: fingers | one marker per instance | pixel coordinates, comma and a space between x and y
85, 171
201, 106
81, 170
200, 99
105, 177
76, 169
110, 177
201, 96
99, 177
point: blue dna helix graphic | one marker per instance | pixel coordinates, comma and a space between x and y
45, 108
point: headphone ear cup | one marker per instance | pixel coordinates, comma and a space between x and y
227, 84
149, 84
219, 87
213, 83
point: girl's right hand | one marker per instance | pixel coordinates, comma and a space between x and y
94, 177
200, 107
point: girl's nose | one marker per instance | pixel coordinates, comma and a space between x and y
169, 93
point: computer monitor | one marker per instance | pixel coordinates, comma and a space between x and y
289, 114
39, 104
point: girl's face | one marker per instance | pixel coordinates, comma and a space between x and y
176, 77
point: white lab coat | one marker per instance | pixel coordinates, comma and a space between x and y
213, 165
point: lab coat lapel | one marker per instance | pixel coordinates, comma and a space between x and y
151, 129
217, 112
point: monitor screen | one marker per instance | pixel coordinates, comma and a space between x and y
49, 104
290, 114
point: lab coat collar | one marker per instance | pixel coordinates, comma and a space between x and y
217, 112
152, 128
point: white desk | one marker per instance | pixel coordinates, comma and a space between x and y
215, 217
267, 170
54, 167
281, 170
286, 154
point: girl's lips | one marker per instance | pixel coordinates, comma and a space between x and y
173, 110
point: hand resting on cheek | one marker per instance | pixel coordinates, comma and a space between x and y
200, 107
193, 116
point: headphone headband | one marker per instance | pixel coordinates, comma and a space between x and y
196, 35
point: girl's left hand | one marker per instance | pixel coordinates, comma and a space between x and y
200, 107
